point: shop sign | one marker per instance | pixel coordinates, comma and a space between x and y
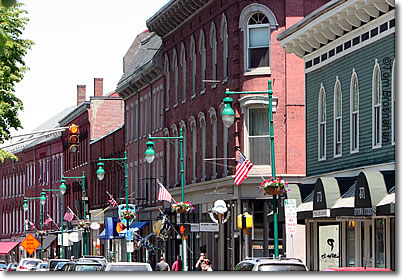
195, 227
363, 211
321, 213
329, 255
350, 218
209, 227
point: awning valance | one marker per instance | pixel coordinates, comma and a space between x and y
46, 241
136, 226
327, 192
344, 206
6, 247
304, 210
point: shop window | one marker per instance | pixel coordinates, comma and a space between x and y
380, 243
350, 243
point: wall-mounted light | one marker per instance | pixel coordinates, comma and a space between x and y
216, 236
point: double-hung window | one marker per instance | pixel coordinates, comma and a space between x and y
337, 119
377, 107
258, 41
354, 113
322, 124
258, 135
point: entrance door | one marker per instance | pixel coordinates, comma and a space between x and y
366, 243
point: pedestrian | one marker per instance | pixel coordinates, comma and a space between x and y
177, 265
208, 266
72, 258
201, 263
162, 265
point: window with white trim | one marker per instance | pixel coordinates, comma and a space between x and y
168, 156
322, 124
258, 41
183, 64
258, 134
140, 118
393, 103
202, 50
376, 107
224, 38
213, 45
182, 125
131, 125
176, 156
193, 129
354, 113
176, 75
194, 64
213, 119
166, 71
202, 120
337, 119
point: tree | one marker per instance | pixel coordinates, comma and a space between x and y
12, 68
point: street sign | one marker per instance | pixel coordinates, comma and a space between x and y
129, 234
209, 227
290, 208
30, 244
291, 225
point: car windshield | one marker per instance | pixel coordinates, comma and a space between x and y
60, 265
88, 268
42, 265
52, 264
281, 267
128, 268
3, 265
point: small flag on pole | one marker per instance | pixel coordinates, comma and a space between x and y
31, 226
69, 216
242, 168
48, 219
112, 201
163, 194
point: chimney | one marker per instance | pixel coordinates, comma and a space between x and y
98, 87
80, 94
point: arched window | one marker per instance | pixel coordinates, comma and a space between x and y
376, 106
256, 21
224, 38
193, 129
166, 71
322, 123
176, 74
182, 125
194, 64
202, 50
174, 130
202, 119
183, 64
354, 113
213, 118
213, 45
337, 119
168, 156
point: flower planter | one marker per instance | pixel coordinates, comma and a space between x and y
181, 210
273, 190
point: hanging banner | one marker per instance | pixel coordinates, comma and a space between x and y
122, 207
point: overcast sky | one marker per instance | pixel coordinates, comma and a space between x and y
75, 42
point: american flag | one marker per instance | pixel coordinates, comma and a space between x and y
48, 219
112, 201
69, 216
32, 226
242, 168
163, 194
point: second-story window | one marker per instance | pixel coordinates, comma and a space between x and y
376, 107
166, 71
202, 50
322, 124
213, 45
258, 41
354, 114
337, 119
176, 75
194, 64
183, 65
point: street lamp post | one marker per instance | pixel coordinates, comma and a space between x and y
228, 117
62, 190
101, 174
150, 155
42, 200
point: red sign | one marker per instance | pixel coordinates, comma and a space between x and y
30, 244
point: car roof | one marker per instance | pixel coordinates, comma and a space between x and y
126, 263
356, 269
280, 260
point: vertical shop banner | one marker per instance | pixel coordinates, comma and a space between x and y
329, 255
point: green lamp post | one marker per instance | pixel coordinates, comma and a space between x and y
62, 190
42, 200
101, 175
150, 155
228, 117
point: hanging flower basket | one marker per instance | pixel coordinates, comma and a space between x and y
84, 224
182, 207
273, 186
128, 215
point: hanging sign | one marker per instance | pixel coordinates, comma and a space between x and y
130, 207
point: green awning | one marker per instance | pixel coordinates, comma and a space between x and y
327, 192
371, 189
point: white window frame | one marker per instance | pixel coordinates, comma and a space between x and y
376, 106
338, 120
131, 124
213, 46
224, 38
175, 133
176, 77
213, 119
184, 73
246, 13
202, 121
140, 118
354, 114
167, 82
182, 125
193, 129
322, 124
193, 57
202, 50
393, 103
168, 156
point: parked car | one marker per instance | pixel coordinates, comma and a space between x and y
131, 266
356, 269
3, 266
100, 259
53, 262
270, 264
42, 267
12, 266
59, 266
82, 266
28, 264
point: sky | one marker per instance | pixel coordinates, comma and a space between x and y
75, 42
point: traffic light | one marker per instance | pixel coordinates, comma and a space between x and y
74, 138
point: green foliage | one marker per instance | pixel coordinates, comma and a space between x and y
12, 67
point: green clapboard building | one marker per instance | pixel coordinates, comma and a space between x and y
348, 49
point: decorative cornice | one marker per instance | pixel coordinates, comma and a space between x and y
173, 14
330, 22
